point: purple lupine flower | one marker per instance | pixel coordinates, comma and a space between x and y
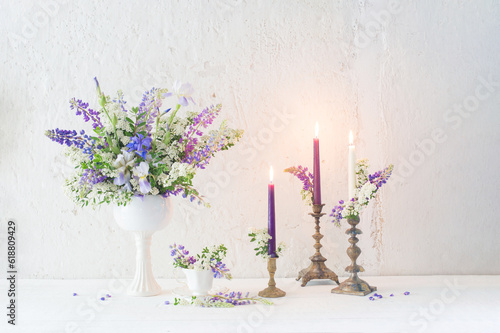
219, 269
303, 175
82, 108
380, 177
149, 109
204, 119
140, 145
70, 138
90, 177
234, 298
201, 157
180, 256
337, 213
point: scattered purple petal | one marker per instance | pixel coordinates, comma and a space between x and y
407, 293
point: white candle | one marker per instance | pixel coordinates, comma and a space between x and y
351, 168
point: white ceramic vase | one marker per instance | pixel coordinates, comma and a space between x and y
199, 282
143, 216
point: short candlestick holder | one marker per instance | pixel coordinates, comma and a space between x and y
354, 285
271, 291
317, 269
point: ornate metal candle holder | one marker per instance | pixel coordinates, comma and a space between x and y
271, 291
354, 285
317, 269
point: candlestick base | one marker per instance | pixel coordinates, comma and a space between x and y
317, 270
354, 285
271, 291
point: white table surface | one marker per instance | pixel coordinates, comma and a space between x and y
435, 304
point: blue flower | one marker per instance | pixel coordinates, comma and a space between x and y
140, 145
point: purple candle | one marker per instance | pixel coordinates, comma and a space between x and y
316, 175
271, 228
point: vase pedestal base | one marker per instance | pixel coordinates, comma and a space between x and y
144, 283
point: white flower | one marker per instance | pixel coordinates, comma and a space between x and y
141, 172
183, 91
123, 162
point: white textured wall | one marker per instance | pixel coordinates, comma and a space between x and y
391, 73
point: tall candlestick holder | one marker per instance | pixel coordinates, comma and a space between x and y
317, 269
271, 291
354, 285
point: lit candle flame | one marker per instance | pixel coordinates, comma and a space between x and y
317, 129
271, 174
351, 139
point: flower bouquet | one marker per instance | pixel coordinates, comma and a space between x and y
209, 259
261, 237
143, 150
366, 189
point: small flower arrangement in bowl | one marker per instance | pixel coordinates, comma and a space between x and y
200, 270
261, 237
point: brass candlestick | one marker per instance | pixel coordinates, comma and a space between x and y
317, 269
354, 285
271, 291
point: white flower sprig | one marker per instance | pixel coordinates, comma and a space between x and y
262, 237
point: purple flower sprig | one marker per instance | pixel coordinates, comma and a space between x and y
148, 110
220, 270
223, 300
380, 177
303, 175
200, 156
204, 119
91, 177
82, 108
70, 138
307, 179
180, 255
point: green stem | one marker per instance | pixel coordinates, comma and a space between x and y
171, 119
